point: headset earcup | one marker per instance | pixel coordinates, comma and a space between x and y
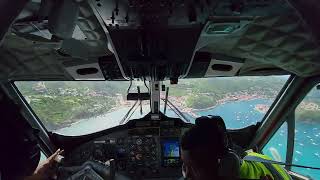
229, 166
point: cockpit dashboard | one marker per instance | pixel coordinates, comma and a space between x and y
141, 149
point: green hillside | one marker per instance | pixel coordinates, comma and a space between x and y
58, 104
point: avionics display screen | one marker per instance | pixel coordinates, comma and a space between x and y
171, 149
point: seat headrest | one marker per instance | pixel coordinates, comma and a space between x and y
229, 166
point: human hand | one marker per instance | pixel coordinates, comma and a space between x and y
46, 169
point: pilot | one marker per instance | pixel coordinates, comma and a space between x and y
46, 169
19, 150
206, 155
20, 155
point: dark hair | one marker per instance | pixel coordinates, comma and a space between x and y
206, 142
207, 133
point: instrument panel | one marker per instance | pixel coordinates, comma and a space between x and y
145, 149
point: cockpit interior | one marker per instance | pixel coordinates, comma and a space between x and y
63, 61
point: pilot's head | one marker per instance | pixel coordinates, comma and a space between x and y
202, 146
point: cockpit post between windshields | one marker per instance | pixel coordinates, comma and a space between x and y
155, 97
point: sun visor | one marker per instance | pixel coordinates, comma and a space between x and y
218, 67
85, 72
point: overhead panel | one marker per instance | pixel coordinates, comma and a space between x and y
153, 39
162, 39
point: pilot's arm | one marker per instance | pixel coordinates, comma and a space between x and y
46, 169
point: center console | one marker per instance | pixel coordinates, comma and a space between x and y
143, 149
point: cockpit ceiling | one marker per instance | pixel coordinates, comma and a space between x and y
279, 41
266, 43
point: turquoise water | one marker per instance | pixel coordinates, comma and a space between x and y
306, 148
236, 115
307, 136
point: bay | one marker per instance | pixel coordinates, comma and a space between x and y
237, 114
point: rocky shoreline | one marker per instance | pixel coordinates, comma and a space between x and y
226, 99
262, 108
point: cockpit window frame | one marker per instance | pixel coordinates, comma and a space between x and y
298, 88
44, 135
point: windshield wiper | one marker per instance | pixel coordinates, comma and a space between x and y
140, 101
134, 107
124, 119
166, 101
175, 109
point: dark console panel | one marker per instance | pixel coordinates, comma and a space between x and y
144, 149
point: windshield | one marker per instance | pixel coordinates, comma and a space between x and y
240, 101
81, 107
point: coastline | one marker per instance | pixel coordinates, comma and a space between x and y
193, 111
179, 102
262, 108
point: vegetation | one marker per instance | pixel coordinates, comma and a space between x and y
200, 101
204, 93
309, 109
308, 115
59, 103
58, 111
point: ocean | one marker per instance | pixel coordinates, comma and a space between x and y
236, 115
